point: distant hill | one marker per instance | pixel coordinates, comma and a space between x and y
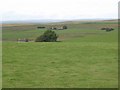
31, 21
51, 21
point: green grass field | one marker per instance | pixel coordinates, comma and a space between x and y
85, 57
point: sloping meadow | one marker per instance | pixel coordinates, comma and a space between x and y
85, 56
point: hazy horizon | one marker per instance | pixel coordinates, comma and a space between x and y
48, 21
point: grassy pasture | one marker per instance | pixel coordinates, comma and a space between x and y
85, 57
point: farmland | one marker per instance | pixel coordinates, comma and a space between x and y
85, 56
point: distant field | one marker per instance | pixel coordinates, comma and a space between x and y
85, 57
13, 32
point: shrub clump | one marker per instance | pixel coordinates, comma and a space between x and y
48, 36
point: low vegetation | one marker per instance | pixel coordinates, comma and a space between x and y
87, 57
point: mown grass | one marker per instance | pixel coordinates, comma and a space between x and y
85, 57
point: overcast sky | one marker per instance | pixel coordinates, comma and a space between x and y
58, 9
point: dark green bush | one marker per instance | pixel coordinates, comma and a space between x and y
64, 27
48, 36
